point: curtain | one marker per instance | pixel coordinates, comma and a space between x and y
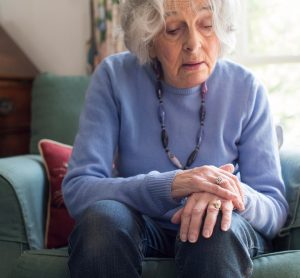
106, 36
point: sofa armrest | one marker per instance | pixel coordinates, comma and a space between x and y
290, 162
23, 193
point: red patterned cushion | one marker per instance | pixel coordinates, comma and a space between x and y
59, 223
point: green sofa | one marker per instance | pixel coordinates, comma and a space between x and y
56, 104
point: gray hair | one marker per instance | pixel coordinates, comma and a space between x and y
142, 20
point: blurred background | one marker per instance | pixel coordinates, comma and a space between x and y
269, 44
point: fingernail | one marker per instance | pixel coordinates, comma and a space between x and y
192, 239
183, 237
225, 227
206, 233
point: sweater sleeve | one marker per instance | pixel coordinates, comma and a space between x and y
260, 171
89, 177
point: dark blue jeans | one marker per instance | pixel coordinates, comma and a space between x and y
111, 240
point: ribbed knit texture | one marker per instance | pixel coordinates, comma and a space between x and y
120, 119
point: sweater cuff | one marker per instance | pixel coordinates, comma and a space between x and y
249, 201
159, 187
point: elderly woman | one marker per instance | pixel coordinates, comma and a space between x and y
192, 139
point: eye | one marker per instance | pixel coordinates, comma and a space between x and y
174, 28
206, 28
173, 32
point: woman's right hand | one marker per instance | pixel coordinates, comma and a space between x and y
203, 179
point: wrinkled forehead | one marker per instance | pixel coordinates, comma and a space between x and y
175, 5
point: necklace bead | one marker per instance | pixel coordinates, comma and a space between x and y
164, 138
164, 134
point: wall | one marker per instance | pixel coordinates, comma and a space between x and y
53, 33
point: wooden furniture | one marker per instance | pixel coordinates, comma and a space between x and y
16, 76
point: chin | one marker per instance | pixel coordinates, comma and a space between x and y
196, 79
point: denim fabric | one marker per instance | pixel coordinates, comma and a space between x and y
225, 254
111, 240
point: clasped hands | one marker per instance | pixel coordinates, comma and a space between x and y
204, 188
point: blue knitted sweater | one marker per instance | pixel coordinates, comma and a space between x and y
120, 123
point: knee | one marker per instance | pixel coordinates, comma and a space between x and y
105, 214
225, 249
104, 232
102, 224
235, 239
219, 238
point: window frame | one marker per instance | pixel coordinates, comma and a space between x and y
242, 54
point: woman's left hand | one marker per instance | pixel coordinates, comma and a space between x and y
202, 209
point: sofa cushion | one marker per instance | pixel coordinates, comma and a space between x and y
289, 236
10, 252
53, 263
55, 108
46, 263
59, 224
277, 265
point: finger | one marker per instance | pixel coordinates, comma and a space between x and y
228, 187
236, 183
227, 208
209, 185
234, 179
210, 220
229, 184
227, 167
186, 218
196, 220
195, 180
227, 180
177, 216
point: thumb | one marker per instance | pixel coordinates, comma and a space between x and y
176, 218
227, 167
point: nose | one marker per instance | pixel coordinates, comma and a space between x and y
193, 41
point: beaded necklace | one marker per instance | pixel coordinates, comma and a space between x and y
164, 135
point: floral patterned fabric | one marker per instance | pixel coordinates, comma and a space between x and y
106, 36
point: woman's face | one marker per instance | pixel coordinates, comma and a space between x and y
188, 47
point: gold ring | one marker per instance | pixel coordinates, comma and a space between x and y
219, 180
217, 204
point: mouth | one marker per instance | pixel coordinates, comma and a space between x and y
192, 65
